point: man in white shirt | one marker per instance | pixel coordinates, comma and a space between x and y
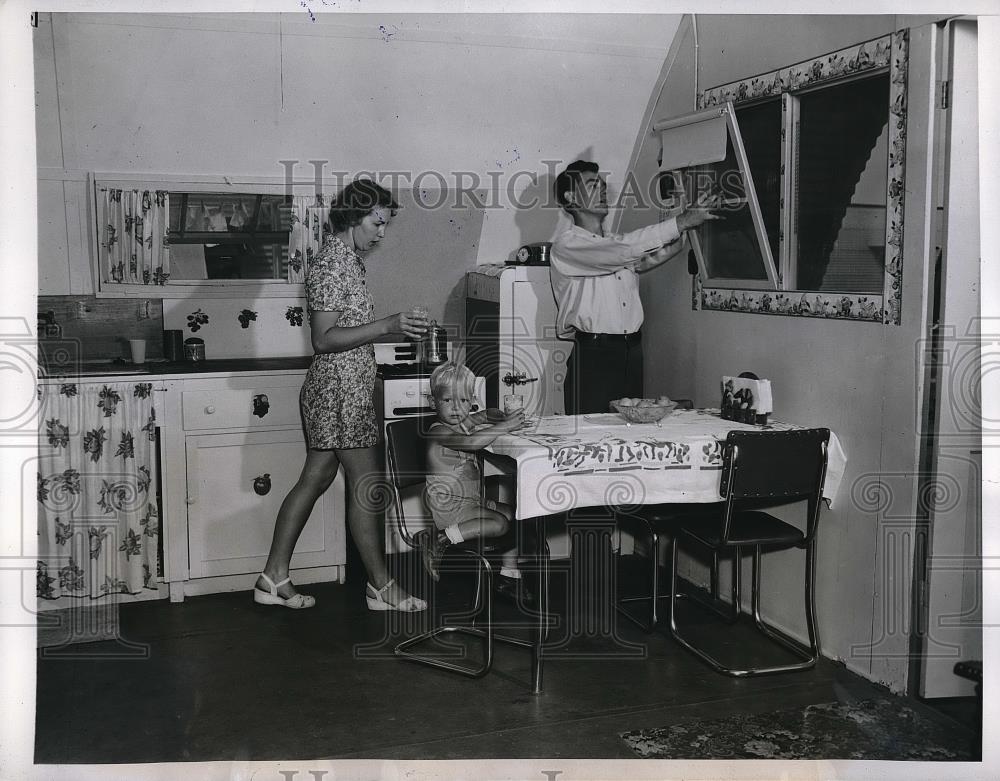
595, 281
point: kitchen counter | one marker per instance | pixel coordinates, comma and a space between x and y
85, 370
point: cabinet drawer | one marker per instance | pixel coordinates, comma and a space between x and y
241, 407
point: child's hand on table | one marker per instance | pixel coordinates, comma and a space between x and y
511, 421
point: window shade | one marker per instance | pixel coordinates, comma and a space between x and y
698, 143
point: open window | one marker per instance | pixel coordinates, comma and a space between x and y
707, 166
806, 164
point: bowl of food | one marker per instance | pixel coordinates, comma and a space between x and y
643, 410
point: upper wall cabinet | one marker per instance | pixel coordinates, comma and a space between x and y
806, 165
196, 239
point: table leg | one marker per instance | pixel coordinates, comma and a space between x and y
541, 630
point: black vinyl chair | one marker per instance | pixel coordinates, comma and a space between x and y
762, 468
407, 466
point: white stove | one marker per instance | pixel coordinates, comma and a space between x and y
402, 390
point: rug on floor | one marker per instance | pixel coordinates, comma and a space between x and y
870, 729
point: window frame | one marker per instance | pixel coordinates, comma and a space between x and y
188, 288
886, 53
771, 281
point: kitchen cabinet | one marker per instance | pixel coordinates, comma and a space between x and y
511, 337
235, 485
232, 449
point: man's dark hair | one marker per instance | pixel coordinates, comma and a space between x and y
570, 177
355, 201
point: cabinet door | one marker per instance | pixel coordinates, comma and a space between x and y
230, 523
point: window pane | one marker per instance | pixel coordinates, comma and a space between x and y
243, 235
841, 186
730, 245
760, 128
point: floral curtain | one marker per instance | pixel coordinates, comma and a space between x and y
133, 227
98, 522
310, 226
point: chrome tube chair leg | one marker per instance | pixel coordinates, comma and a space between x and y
650, 624
710, 660
654, 579
807, 654
484, 576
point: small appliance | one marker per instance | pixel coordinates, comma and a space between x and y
536, 254
434, 345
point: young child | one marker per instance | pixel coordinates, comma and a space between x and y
452, 491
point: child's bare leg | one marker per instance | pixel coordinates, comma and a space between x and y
487, 522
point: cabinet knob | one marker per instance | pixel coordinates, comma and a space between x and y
261, 405
262, 484
191, 500
210, 409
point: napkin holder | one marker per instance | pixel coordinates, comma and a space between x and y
746, 400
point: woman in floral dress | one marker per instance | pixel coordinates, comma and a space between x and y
337, 401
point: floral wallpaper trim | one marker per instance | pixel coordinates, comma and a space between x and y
839, 306
245, 316
889, 50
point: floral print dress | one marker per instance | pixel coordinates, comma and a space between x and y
338, 396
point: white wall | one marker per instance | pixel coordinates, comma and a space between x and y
863, 380
234, 94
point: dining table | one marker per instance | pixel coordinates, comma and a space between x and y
563, 463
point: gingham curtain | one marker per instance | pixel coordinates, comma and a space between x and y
133, 245
98, 522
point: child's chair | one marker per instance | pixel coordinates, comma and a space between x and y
407, 463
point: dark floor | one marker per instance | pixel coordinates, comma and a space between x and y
220, 678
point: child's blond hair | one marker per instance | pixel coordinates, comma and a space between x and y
456, 377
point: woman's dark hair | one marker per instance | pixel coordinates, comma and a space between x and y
351, 204
569, 178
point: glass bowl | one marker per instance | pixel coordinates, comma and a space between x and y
648, 414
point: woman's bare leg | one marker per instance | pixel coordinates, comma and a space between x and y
317, 474
367, 494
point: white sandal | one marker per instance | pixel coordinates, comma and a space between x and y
295, 602
411, 604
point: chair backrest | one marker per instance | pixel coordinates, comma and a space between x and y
406, 457
779, 466
406, 451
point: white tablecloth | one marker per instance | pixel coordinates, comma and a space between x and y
564, 461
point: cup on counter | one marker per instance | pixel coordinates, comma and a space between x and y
138, 348
512, 402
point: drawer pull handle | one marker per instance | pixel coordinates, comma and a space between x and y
262, 485
260, 405
210, 409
